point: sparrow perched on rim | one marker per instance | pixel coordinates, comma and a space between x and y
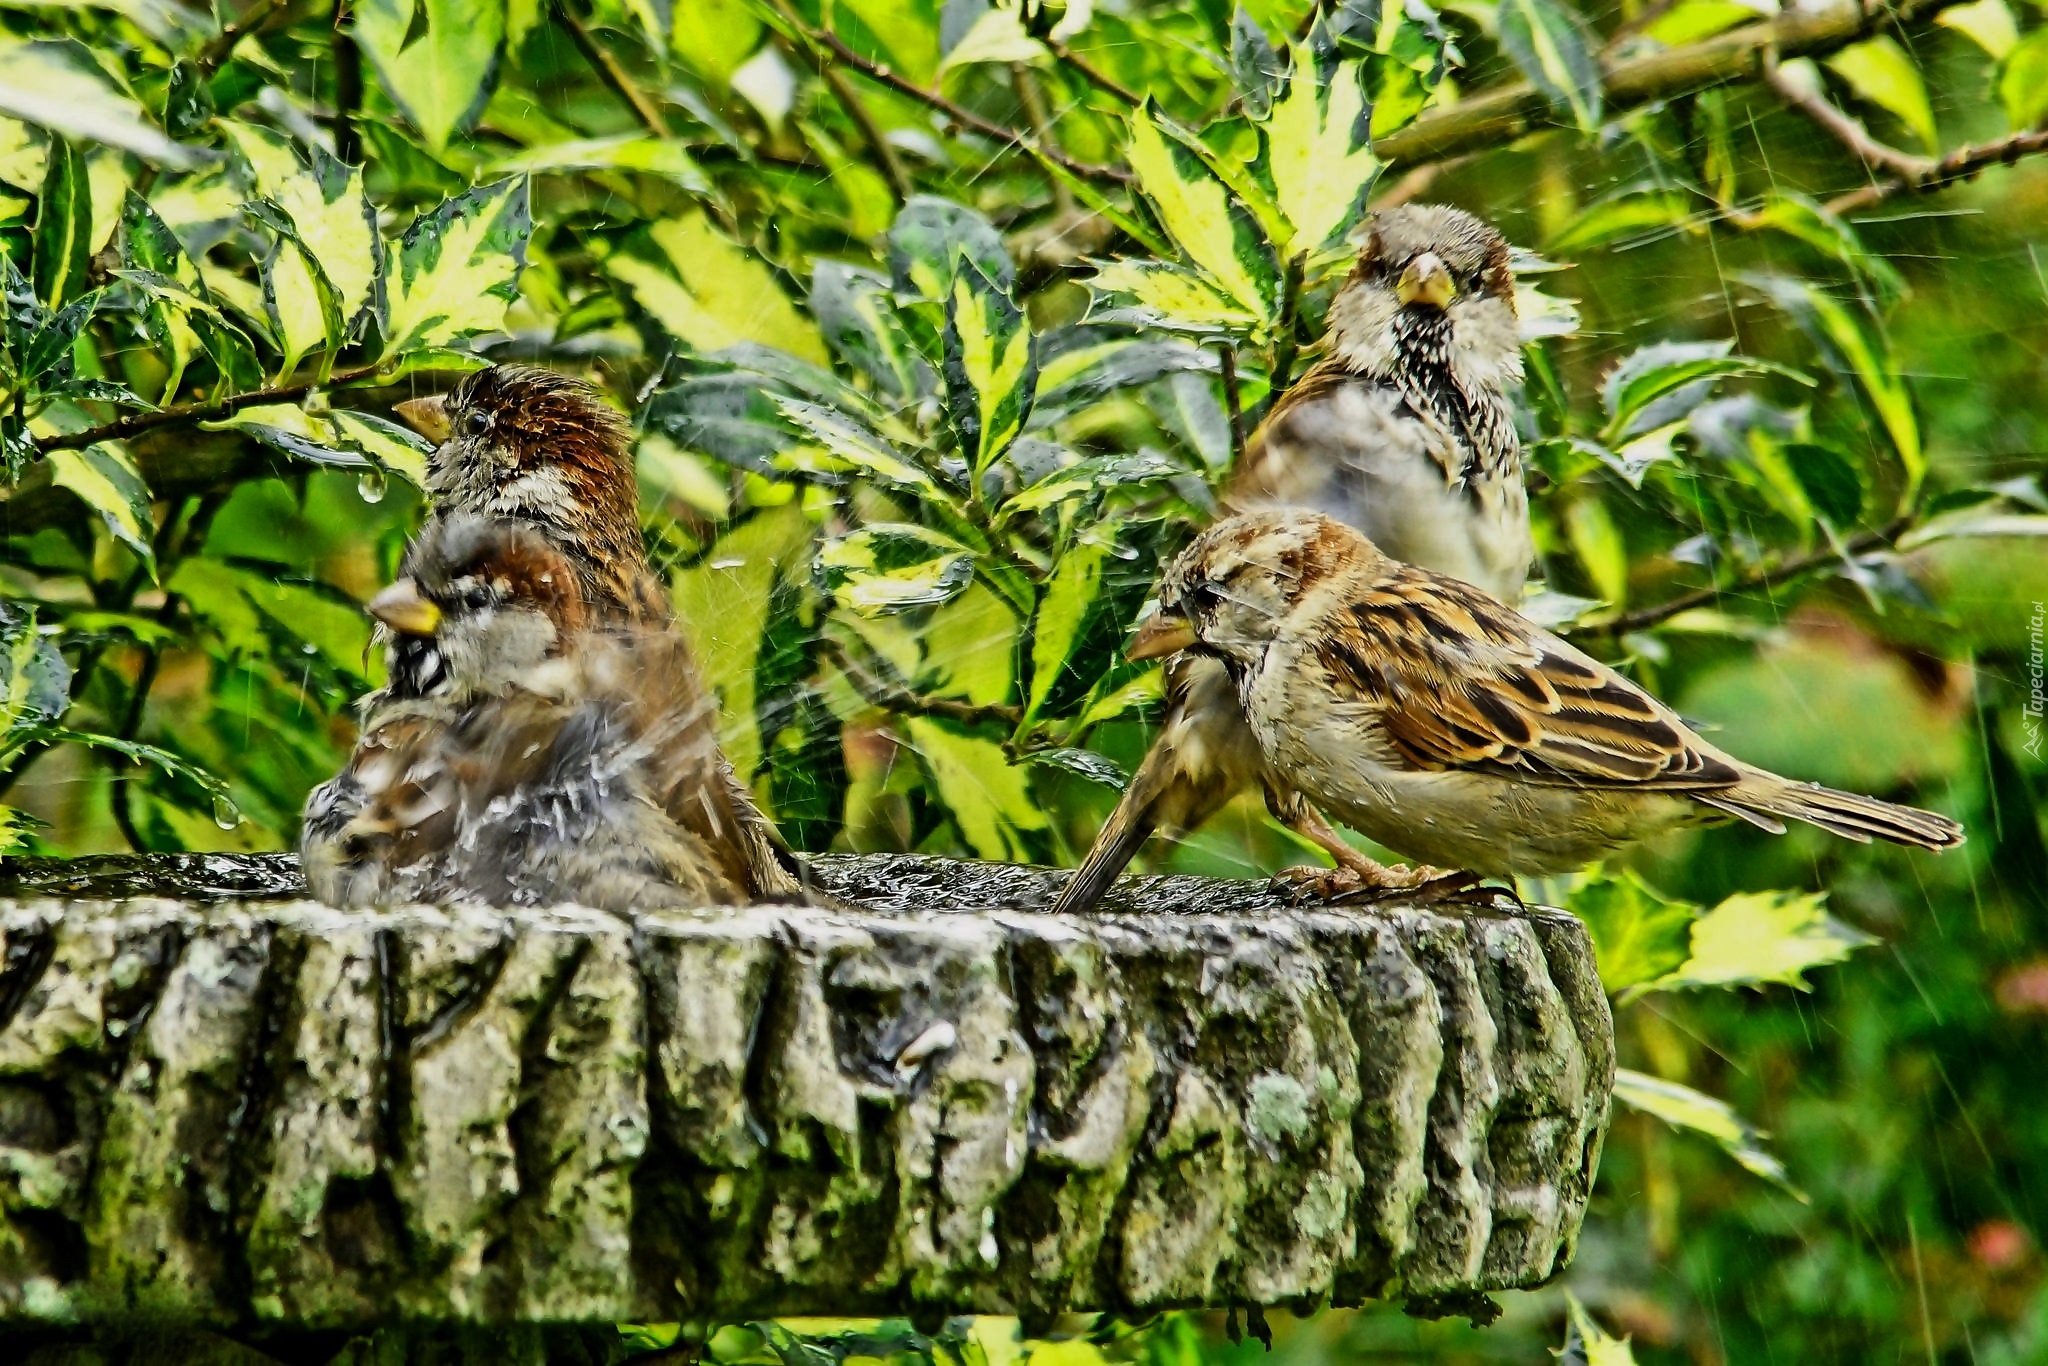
537, 757
1427, 714
1403, 430
521, 442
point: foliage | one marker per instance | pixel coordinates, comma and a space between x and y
941, 325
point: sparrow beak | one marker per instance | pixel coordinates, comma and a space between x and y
428, 416
1426, 282
1161, 634
403, 609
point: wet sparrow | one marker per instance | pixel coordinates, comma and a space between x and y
535, 756
1405, 431
517, 441
1428, 715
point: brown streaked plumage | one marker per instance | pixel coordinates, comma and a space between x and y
546, 761
521, 442
1435, 719
1403, 430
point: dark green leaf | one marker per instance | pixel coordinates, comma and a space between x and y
1639, 934
1254, 64
63, 237
855, 311
1551, 46
1829, 479
931, 235
188, 105
991, 369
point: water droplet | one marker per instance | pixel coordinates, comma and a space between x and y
226, 814
372, 485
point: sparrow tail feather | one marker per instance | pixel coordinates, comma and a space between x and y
1848, 814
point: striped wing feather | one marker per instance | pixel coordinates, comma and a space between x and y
1462, 682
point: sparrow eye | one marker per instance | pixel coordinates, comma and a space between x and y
477, 423
476, 598
1203, 597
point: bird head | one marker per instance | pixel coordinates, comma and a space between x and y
481, 604
1432, 285
1229, 594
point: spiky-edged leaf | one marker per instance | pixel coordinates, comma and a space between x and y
106, 480
991, 368
456, 268
710, 293
63, 235
1638, 933
1758, 938
858, 317
438, 58
1212, 228
892, 567
1318, 148
850, 446
931, 235
1160, 294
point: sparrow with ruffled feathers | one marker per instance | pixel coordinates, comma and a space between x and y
541, 759
528, 444
1428, 715
1403, 429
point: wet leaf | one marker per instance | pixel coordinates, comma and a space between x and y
437, 58
63, 238
57, 85
857, 314
1550, 45
106, 480
931, 235
1318, 149
1684, 1108
709, 293
991, 368
1215, 231
888, 568
456, 268
1759, 938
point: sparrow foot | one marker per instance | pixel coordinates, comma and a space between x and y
1362, 880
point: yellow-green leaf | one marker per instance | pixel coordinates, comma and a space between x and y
1639, 934
2023, 81
1987, 23
435, 58
990, 799
1549, 43
329, 215
1755, 938
892, 567
1076, 583
1167, 295
622, 152
455, 269
55, 85
1597, 1347
997, 36
1684, 1108
1318, 147
1879, 71
991, 368
853, 446
106, 479
1212, 228
709, 292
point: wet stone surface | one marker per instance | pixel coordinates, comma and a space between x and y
219, 1104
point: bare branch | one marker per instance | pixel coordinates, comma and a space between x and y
134, 424
611, 72
1962, 164
1879, 156
1759, 579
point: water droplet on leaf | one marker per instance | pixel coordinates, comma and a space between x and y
226, 814
372, 485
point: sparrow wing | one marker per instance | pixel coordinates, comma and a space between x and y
1461, 682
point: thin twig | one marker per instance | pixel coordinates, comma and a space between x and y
957, 113
222, 45
1879, 156
1497, 117
894, 697
1093, 74
1962, 164
1233, 399
134, 424
610, 72
864, 119
1754, 580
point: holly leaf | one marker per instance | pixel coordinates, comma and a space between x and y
456, 268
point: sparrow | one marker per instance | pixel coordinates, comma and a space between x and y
515, 441
1427, 714
535, 757
1404, 430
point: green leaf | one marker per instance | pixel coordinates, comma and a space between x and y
1663, 382
1638, 934
437, 58
621, 152
991, 370
328, 218
1318, 149
106, 480
50, 344
1091, 476
1166, 295
990, 799
853, 447
1550, 45
1684, 1108
710, 293
1212, 228
38, 680
1622, 214
1817, 226
388, 445
1062, 611
858, 317
58, 86
291, 430
1880, 71
147, 245
1081, 374
891, 567
1987, 23
1757, 938
213, 593
931, 236
1855, 343
1599, 545
1254, 65
1596, 1346
2023, 81
63, 237
456, 268
1828, 479
997, 36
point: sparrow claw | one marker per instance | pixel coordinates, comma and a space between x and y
1365, 881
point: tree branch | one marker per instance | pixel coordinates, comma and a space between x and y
1962, 164
1760, 578
222, 45
1878, 156
1094, 74
894, 697
1500, 116
864, 119
134, 424
957, 113
610, 72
